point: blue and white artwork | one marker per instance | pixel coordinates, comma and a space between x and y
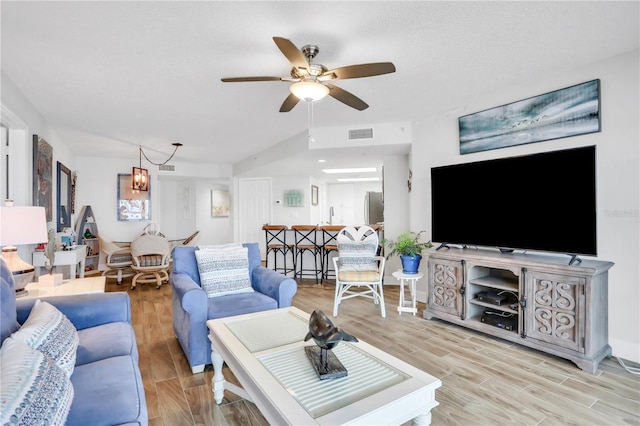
567, 112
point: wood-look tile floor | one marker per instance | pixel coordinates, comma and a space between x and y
485, 381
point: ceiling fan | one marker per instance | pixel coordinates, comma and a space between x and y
311, 80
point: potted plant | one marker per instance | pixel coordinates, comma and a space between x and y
408, 247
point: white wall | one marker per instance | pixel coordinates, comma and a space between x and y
96, 186
186, 208
618, 179
213, 230
283, 215
396, 212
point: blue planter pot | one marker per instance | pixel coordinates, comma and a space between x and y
410, 264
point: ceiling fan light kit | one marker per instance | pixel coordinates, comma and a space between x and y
309, 90
310, 81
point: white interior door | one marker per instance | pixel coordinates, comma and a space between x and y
254, 210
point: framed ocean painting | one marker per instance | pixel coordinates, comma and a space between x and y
563, 113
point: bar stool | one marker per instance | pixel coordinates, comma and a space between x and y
379, 231
329, 245
307, 241
276, 243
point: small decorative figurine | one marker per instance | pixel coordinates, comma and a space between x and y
326, 336
50, 251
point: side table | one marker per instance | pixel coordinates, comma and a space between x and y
410, 279
72, 258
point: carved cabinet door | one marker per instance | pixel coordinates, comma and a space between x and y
555, 309
446, 286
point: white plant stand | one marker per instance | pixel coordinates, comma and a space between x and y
409, 280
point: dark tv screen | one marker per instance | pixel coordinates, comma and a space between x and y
543, 202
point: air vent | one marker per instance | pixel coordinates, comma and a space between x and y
360, 134
167, 168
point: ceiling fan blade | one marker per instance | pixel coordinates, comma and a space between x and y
346, 98
243, 79
293, 54
288, 104
362, 70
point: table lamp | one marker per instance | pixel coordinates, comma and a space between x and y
21, 225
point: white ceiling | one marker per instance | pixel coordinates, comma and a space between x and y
109, 76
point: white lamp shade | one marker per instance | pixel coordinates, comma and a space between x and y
23, 225
309, 90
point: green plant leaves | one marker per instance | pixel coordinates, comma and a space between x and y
407, 244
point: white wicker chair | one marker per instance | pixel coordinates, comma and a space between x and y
151, 259
359, 271
117, 259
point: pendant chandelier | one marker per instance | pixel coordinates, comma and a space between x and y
140, 175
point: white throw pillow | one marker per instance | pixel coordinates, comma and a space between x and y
224, 270
357, 256
34, 391
221, 247
49, 331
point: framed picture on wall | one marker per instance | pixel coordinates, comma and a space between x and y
132, 205
563, 113
314, 195
219, 203
43, 175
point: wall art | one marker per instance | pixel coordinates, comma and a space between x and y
133, 205
314, 195
293, 198
563, 113
219, 203
43, 175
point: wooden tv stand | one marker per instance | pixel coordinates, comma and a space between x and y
549, 305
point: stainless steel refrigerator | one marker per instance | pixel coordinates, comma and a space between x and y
373, 208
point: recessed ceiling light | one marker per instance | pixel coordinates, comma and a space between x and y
321, 161
352, 170
371, 179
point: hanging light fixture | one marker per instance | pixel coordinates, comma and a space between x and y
140, 175
309, 90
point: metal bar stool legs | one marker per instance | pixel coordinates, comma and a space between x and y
329, 245
276, 245
307, 241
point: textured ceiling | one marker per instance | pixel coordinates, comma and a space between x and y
109, 76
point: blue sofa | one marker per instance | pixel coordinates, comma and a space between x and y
192, 308
106, 379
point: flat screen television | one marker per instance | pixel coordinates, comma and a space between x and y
542, 202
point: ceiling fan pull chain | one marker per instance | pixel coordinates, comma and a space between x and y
309, 120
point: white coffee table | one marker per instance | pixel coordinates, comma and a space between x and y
265, 351
67, 288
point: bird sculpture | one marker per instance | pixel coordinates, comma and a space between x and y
327, 336
324, 333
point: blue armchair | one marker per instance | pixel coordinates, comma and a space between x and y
192, 308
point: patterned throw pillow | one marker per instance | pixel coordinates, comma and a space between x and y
33, 389
357, 256
49, 331
224, 270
